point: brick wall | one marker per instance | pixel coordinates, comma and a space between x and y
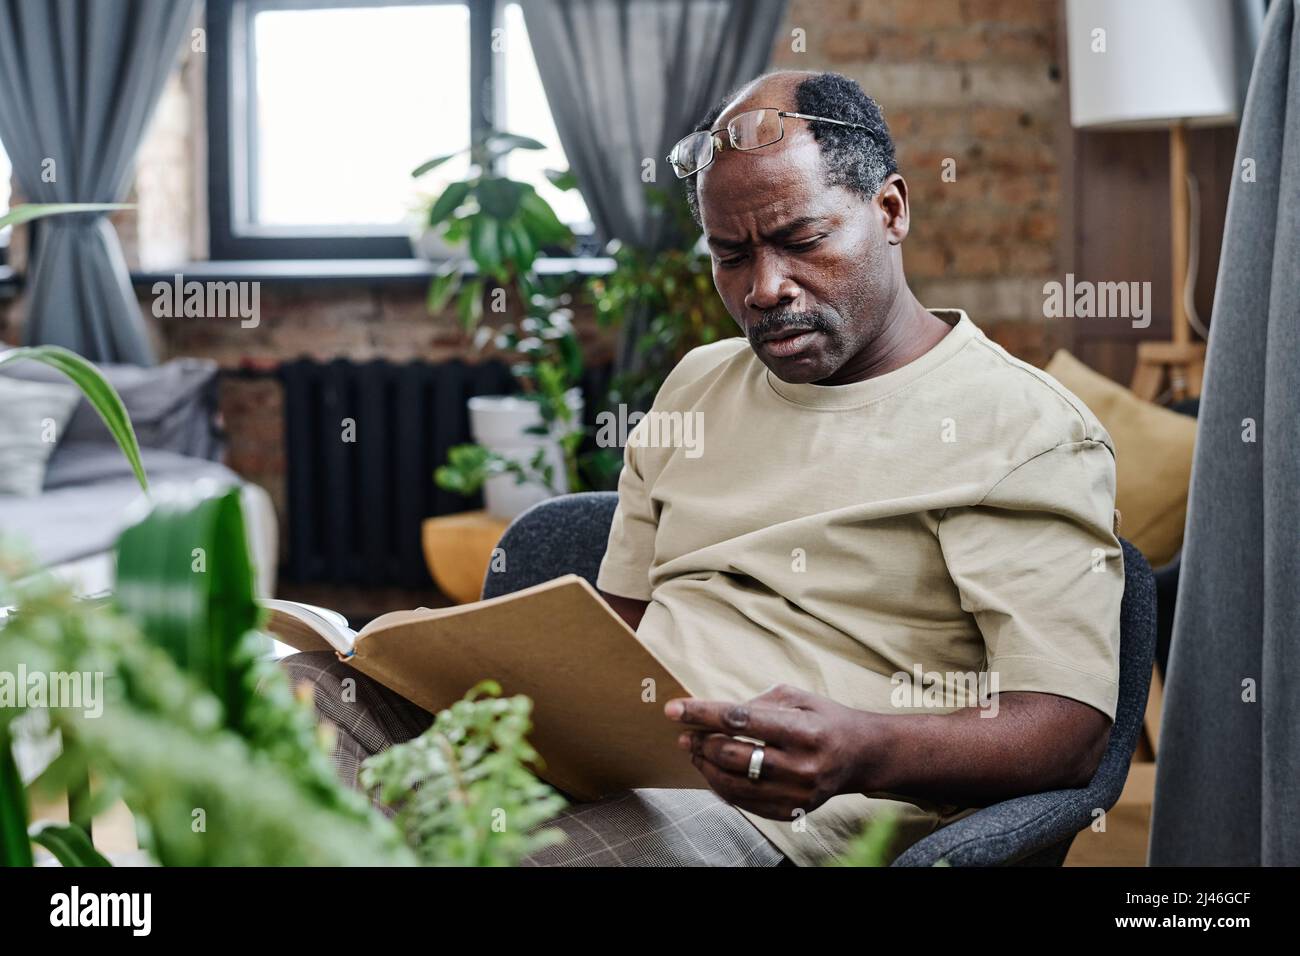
975, 81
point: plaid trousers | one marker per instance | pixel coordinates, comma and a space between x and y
633, 828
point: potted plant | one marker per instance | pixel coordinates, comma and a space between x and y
526, 445
671, 293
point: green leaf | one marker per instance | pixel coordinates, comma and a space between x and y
483, 245
509, 248
499, 197
184, 576
525, 247
434, 163
571, 356
101, 395
562, 178
441, 289
452, 785
467, 468
541, 220
457, 230
602, 467
15, 847
499, 143
470, 304
871, 846
447, 203
26, 212
487, 687
68, 843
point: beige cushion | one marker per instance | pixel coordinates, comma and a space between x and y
1153, 457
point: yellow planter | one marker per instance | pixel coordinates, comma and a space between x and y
458, 549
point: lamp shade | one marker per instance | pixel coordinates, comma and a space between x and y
1149, 63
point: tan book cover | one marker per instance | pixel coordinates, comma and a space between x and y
598, 693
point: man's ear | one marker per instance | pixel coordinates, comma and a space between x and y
891, 201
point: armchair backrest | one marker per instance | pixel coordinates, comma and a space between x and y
564, 535
1137, 646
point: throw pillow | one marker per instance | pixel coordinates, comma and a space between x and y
171, 405
32, 419
1153, 457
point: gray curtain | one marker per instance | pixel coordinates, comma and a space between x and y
79, 80
625, 80
1228, 759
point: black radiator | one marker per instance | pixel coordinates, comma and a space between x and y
355, 507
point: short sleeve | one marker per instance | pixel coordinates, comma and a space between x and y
625, 569
1038, 565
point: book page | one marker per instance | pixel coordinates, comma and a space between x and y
598, 693
307, 627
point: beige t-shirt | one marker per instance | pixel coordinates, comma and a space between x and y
882, 543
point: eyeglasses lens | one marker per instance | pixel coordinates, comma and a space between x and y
755, 128
692, 153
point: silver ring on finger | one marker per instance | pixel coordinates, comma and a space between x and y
756, 762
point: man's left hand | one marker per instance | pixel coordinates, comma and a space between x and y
814, 748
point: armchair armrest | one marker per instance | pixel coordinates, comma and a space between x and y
1033, 829
1038, 828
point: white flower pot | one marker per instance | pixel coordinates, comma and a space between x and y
428, 244
500, 423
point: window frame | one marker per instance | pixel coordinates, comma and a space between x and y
5, 272
228, 81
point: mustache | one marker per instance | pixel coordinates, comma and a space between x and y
779, 320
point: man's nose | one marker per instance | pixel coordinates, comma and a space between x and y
770, 286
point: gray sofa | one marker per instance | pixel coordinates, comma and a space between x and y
90, 494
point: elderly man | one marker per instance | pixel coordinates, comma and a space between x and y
896, 564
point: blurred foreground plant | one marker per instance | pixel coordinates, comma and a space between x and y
216, 772
199, 733
462, 791
873, 846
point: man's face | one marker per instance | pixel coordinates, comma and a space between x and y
804, 268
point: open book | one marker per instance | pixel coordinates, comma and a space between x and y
598, 693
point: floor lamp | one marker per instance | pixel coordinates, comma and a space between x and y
1157, 64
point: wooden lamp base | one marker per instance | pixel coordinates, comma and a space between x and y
1181, 361
1182, 364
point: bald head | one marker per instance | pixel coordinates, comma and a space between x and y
775, 89
858, 161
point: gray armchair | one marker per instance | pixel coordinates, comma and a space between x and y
567, 535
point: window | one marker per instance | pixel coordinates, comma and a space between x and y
6, 171
319, 109
526, 112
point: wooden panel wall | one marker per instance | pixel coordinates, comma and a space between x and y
1115, 224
